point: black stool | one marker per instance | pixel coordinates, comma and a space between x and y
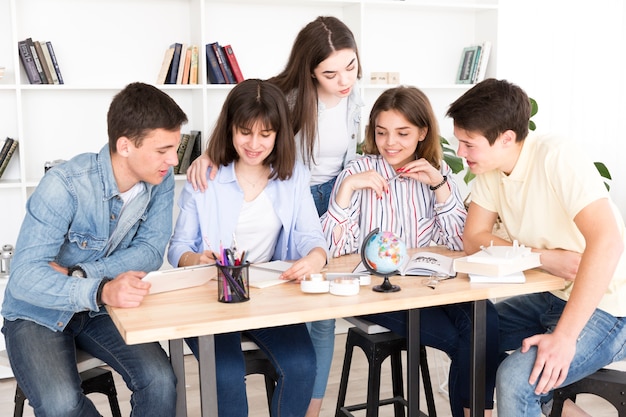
377, 347
93, 380
609, 384
257, 363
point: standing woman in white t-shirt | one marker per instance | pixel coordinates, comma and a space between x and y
319, 82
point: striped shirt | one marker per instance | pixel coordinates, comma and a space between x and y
409, 210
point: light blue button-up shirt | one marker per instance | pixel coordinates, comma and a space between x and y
72, 218
211, 216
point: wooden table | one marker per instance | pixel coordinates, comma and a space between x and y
196, 312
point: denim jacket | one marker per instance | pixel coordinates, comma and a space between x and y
72, 219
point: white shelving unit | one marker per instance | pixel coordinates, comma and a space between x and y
103, 45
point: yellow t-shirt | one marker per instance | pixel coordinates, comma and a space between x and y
551, 182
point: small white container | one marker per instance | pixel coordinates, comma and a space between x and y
365, 279
345, 286
315, 284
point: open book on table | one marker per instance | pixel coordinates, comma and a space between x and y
266, 274
422, 264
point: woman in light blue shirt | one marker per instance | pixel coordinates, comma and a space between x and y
260, 195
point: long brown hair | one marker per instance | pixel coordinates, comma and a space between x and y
315, 42
249, 102
413, 104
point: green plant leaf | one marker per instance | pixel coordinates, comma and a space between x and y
603, 170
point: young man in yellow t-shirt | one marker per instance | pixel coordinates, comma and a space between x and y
549, 197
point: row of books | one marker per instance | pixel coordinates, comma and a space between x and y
40, 62
7, 151
180, 65
189, 149
473, 65
222, 65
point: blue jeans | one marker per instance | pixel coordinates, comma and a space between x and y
321, 195
44, 364
601, 342
449, 329
288, 348
322, 332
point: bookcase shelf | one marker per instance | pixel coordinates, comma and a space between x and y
101, 46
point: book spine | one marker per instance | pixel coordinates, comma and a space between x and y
165, 65
213, 67
234, 65
33, 51
187, 66
5, 149
54, 62
181, 64
29, 63
184, 139
44, 63
476, 63
186, 160
7, 157
173, 71
221, 58
197, 145
48, 59
484, 61
193, 70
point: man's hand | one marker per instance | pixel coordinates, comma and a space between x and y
559, 262
554, 356
126, 290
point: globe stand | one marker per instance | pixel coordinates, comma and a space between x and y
386, 286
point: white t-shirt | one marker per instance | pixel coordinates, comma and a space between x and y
258, 226
332, 143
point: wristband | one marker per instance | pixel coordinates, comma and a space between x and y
433, 188
99, 292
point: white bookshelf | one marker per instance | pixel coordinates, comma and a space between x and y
103, 45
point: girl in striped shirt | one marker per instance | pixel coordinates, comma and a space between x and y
402, 185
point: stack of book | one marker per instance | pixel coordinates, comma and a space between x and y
473, 65
221, 64
180, 65
40, 62
189, 149
7, 151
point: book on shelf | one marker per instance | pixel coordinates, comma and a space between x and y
476, 63
193, 68
43, 62
33, 51
51, 73
466, 66
422, 264
214, 73
28, 62
186, 66
223, 63
234, 64
197, 144
182, 147
165, 65
187, 158
181, 63
54, 61
502, 262
481, 73
172, 73
8, 149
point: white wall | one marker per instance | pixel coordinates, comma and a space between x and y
570, 56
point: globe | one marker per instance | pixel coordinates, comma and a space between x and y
382, 253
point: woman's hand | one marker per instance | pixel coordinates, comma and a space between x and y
310, 264
351, 183
421, 170
196, 173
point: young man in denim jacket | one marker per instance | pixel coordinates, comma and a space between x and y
93, 228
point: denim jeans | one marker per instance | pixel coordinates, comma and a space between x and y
322, 334
449, 329
44, 364
321, 195
601, 342
288, 348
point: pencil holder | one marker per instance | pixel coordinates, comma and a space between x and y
232, 283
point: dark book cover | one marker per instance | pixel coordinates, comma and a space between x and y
6, 158
232, 61
43, 62
33, 51
221, 60
29, 63
214, 73
54, 62
173, 71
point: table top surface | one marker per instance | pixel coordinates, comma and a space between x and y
196, 311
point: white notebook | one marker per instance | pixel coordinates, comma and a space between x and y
179, 278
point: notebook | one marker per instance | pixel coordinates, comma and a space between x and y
179, 278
